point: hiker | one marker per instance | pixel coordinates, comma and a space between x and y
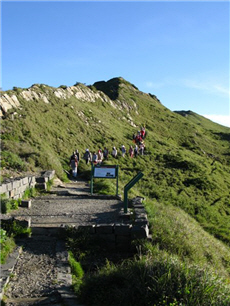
78, 155
94, 158
143, 133
106, 153
99, 156
138, 138
136, 151
131, 151
114, 152
87, 156
141, 148
74, 164
123, 151
134, 136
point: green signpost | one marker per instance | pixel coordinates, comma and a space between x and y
105, 171
130, 184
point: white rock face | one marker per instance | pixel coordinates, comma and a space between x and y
34, 93
7, 102
30, 94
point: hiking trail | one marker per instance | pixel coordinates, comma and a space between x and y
41, 275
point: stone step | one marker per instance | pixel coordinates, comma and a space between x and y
43, 300
47, 231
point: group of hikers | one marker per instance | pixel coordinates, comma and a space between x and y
97, 157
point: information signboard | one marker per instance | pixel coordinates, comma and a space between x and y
105, 172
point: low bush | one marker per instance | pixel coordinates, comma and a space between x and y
13, 229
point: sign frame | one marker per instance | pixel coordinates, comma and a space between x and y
106, 172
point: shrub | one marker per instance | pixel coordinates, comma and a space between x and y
63, 86
13, 229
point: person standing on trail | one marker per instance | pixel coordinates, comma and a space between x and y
94, 158
74, 164
136, 151
143, 132
99, 156
78, 155
106, 153
87, 156
141, 148
114, 152
123, 151
131, 151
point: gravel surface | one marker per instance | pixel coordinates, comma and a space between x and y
71, 205
35, 274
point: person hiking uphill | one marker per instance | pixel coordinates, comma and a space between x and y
136, 151
99, 156
123, 151
114, 152
94, 158
143, 132
74, 164
106, 153
78, 155
141, 148
87, 156
131, 151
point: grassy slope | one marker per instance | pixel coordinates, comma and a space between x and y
186, 166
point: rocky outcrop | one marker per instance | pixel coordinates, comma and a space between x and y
7, 102
30, 94
10, 99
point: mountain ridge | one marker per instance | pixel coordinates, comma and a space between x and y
186, 164
185, 157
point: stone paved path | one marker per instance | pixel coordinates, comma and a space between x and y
71, 204
41, 275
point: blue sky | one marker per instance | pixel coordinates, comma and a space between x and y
177, 50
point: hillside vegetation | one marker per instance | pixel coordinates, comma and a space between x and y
186, 164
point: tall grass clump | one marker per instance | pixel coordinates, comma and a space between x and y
9, 204
76, 270
176, 232
163, 280
7, 244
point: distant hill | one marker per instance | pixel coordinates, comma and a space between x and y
187, 157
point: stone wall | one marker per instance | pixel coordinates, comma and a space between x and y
14, 189
133, 225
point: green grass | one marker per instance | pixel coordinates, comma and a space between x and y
186, 179
77, 272
7, 245
29, 193
158, 280
9, 204
8, 232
